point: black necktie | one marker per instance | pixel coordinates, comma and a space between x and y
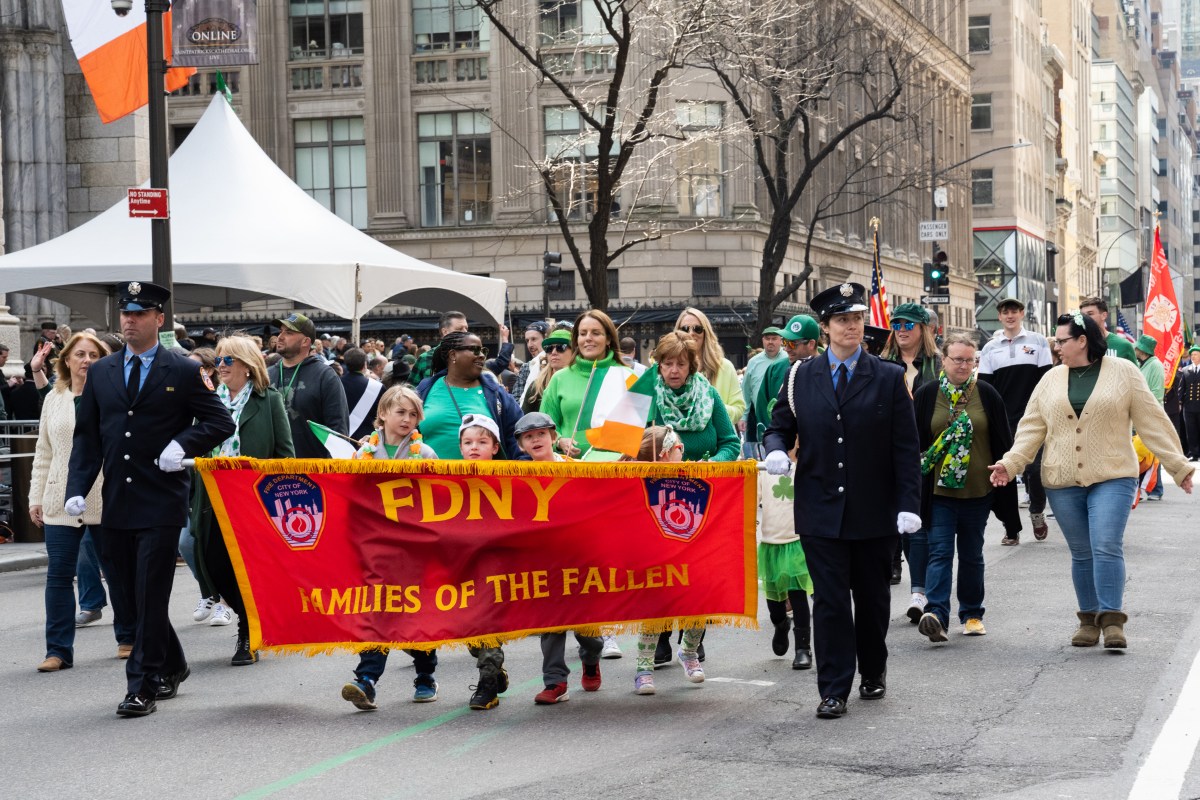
843, 378
135, 379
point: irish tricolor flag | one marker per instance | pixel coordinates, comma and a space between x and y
338, 445
112, 53
622, 429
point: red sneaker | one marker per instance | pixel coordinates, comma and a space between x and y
552, 694
591, 677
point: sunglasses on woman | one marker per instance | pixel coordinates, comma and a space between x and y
690, 329
224, 361
474, 348
557, 347
902, 325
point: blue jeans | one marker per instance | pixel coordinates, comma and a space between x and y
371, 663
916, 553
962, 522
1093, 519
87, 570
62, 555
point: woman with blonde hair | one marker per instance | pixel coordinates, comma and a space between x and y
718, 369
66, 534
262, 431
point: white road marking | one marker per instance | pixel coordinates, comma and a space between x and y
739, 680
1162, 774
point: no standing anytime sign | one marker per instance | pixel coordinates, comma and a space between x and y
148, 204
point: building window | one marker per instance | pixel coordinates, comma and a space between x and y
700, 161
566, 286
567, 21
706, 281
449, 25
456, 168
982, 187
331, 165
981, 112
614, 284
979, 34
1162, 167
326, 28
572, 153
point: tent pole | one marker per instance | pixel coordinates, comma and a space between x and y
354, 323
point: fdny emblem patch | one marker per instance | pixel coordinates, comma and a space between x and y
678, 505
295, 505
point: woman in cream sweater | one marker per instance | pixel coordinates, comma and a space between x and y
1084, 412
47, 494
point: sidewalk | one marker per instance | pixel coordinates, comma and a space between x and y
15, 556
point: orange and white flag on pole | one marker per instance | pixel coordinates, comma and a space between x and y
112, 53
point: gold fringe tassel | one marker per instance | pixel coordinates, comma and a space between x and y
654, 626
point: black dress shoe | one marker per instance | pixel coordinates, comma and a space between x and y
168, 685
136, 706
831, 708
896, 574
872, 688
803, 659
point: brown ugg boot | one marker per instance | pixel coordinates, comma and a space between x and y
1113, 625
1088, 634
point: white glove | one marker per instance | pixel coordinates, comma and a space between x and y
75, 506
907, 523
778, 463
171, 459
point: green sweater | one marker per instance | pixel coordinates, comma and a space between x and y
716, 442
563, 398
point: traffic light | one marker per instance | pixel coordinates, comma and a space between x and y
930, 279
941, 272
551, 272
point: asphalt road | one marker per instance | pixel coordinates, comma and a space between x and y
1018, 713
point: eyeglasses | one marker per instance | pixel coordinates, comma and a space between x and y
1060, 342
901, 325
961, 361
557, 347
690, 329
224, 361
474, 348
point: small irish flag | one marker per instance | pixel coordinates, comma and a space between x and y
622, 429
338, 445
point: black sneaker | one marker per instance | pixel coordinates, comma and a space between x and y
136, 706
485, 693
242, 654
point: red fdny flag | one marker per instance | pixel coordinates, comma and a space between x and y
1163, 320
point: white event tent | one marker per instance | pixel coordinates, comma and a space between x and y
241, 230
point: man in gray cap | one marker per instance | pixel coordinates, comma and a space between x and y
756, 368
311, 389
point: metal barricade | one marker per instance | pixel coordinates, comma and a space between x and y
18, 439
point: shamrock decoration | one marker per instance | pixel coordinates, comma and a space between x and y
784, 490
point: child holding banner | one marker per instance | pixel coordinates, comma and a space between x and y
396, 418
536, 433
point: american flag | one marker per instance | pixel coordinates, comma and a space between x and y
880, 317
1123, 327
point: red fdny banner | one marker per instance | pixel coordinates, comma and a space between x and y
352, 555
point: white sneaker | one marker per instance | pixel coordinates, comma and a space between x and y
917, 607
204, 609
610, 649
221, 615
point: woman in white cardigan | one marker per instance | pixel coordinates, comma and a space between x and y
47, 495
1084, 412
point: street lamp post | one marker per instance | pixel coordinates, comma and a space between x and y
935, 173
1100, 285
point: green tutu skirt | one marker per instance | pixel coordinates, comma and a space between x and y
782, 569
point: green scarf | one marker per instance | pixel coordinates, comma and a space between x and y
952, 449
688, 409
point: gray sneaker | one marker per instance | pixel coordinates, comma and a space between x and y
86, 617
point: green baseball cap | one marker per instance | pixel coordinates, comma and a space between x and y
801, 327
911, 312
772, 331
557, 336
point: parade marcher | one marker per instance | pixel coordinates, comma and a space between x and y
535, 435
629, 356
65, 533
556, 354
395, 438
718, 369
311, 390
782, 568
961, 423
535, 332
1082, 412
455, 322
857, 487
1013, 362
362, 393
755, 420
1152, 370
1118, 345
578, 397
1188, 380
261, 430
143, 411
457, 388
